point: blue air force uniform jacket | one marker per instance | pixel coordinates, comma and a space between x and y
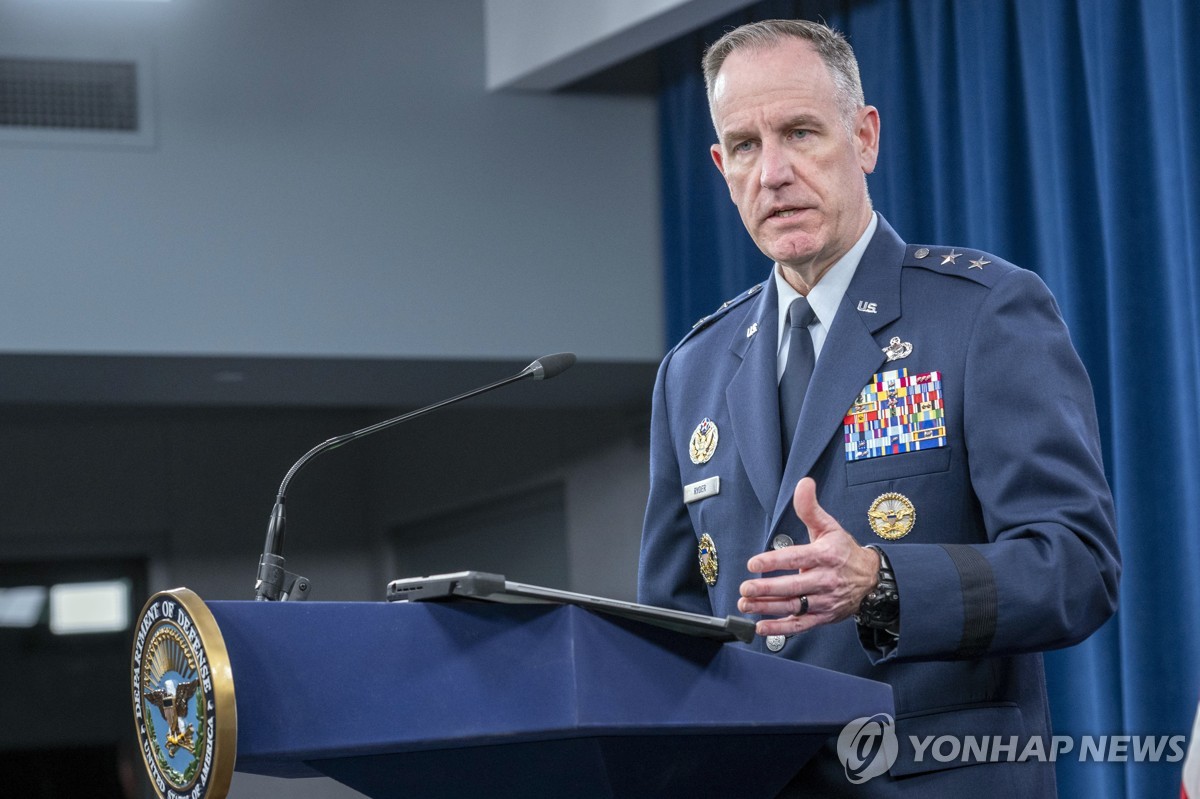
1013, 549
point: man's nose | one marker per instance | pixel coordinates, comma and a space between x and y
775, 167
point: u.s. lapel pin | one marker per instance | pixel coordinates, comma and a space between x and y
897, 349
750, 331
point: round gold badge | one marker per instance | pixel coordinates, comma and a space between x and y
184, 707
892, 516
704, 441
708, 559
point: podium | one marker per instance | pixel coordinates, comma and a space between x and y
466, 699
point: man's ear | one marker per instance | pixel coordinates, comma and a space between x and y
866, 135
718, 158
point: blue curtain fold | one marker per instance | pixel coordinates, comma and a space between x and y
1063, 136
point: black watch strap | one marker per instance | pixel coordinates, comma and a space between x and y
880, 609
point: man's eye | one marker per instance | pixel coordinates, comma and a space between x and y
743, 147
799, 134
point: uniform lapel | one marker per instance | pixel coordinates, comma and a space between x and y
753, 399
849, 358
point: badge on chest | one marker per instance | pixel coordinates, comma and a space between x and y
704, 441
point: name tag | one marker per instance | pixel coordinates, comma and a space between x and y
705, 488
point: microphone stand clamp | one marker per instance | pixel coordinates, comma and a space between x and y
277, 584
274, 583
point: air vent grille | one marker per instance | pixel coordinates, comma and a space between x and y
68, 95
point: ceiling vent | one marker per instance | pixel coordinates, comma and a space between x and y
74, 101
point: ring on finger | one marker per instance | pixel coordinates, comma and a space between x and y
803, 606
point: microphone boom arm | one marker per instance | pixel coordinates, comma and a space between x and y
274, 583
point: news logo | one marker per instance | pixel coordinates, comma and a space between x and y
868, 747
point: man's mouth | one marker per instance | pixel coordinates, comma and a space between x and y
785, 213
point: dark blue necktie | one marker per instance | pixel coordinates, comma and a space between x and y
798, 372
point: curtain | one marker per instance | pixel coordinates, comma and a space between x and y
1062, 135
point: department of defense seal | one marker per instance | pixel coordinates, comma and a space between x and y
708, 559
704, 441
183, 703
892, 516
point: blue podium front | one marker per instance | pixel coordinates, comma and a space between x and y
476, 699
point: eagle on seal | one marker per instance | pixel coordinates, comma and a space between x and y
172, 702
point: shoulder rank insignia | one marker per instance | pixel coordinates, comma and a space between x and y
966, 263
704, 441
892, 516
708, 559
725, 306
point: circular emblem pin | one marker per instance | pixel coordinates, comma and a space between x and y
892, 516
897, 349
708, 559
704, 441
183, 703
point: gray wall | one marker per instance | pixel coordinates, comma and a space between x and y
329, 177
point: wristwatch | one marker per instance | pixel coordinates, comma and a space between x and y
880, 609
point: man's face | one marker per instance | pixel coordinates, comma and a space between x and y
793, 170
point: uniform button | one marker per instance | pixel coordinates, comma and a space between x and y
782, 540
775, 642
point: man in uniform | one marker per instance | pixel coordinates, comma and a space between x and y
888, 453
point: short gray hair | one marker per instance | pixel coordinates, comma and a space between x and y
829, 44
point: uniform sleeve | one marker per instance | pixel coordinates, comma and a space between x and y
1047, 574
668, 567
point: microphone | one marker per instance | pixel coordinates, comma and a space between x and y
273, 582
549, 366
